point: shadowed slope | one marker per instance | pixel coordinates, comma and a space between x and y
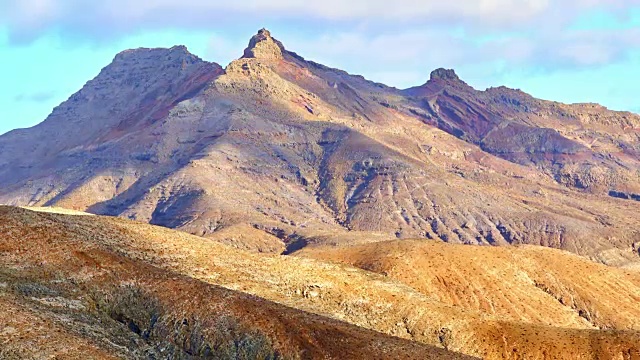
583, 145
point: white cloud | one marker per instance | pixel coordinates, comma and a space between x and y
27, 18
430, 48
495, 10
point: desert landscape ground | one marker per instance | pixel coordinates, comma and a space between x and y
277, 208
122, 289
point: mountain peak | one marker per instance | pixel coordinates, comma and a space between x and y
264, 32
263, 46
178, 53
444, 74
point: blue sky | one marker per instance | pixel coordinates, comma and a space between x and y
567, 50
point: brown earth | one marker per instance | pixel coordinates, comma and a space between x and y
100, 278
68, 293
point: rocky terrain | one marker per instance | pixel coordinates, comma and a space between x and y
84, 286
295, 153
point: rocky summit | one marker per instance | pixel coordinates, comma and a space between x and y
355, 180
262, 45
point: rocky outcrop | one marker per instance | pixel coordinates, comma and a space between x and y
444, 74
263, 46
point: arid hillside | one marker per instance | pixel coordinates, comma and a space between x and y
66, 292
274, 153
528, 284
115, 288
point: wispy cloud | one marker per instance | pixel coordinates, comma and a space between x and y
29, 18
428, 48
37, 97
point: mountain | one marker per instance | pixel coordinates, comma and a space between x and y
107, 288
275, 153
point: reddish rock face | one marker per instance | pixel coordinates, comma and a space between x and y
517, 127
294, 149
468, 114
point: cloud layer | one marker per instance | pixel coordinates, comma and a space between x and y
28, 18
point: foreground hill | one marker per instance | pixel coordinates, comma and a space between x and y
286, 149
66, 293
115, 288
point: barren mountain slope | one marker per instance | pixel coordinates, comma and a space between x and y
292, 149
525, 284
115, 268
581, 145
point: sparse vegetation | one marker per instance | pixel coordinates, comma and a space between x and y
182, 338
